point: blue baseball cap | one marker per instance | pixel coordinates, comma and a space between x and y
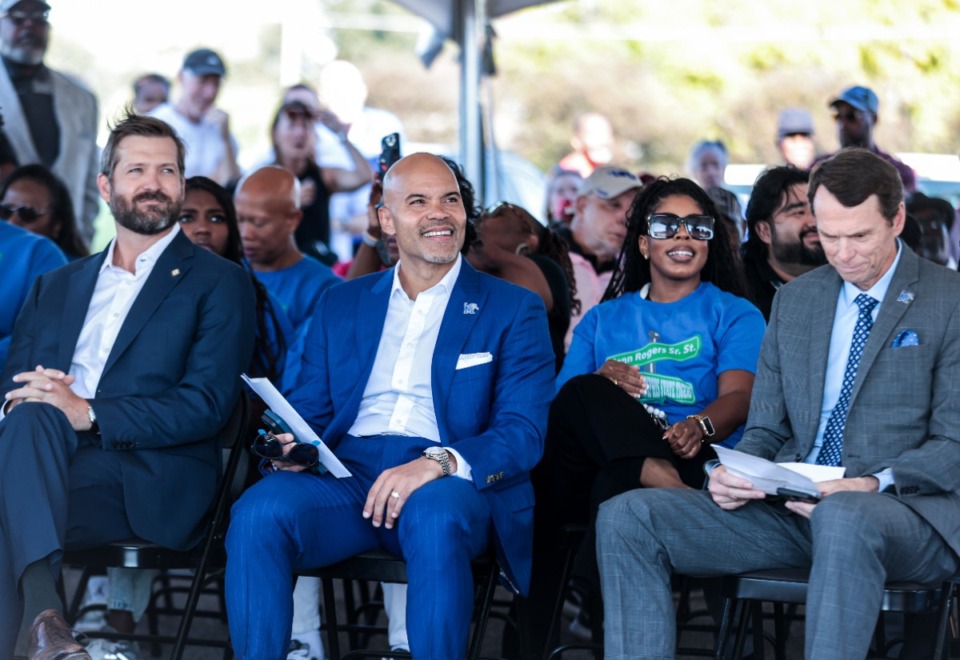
860, 98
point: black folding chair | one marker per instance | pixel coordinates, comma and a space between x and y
384, 567
204, 560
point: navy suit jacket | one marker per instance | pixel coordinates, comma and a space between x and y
493, 414
169, 384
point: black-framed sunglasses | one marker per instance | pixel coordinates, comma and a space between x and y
26, 213
666, 225
267, 445
19, 16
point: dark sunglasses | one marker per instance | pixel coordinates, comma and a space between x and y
666, 225
267, 445
19, 17
26, 213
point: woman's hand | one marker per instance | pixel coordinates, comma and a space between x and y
624, 376
685, 438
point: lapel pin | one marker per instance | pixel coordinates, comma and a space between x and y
905, 297
471, 308
175, 272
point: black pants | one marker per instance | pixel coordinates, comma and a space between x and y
597, 439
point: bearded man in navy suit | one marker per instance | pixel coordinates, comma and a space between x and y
123, 368
431, 383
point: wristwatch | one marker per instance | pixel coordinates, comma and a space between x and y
92, 416
441, 456
705, 425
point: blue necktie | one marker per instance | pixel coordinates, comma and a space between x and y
831, 452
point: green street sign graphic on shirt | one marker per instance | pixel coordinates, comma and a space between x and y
660, 387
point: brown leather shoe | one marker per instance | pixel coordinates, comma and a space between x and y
52, 639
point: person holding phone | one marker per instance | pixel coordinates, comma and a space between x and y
657, 372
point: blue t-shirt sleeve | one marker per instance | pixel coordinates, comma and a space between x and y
739, 337
581, 358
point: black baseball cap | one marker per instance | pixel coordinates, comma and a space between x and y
203, 62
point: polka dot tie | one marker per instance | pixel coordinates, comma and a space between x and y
831, 453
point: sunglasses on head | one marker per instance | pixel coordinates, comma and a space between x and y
26, 213
267, 445
666, 225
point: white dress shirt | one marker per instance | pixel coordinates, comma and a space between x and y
844, 323
112, 298
398, 397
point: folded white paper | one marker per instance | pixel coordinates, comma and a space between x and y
773, 478
467, 360
301, 430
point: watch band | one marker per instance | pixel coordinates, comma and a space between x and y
442, 457
368, 239
706, 426
92, 416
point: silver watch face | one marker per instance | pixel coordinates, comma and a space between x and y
435, 451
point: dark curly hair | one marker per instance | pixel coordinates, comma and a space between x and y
723, 267
549, 244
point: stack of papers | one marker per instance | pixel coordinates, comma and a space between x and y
785, 479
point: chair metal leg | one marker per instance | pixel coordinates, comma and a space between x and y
758, 652
486, 599
733, 610
947, 593
742, 623
330, 619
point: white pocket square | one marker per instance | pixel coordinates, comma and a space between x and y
467, 360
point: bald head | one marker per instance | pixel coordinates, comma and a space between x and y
422, 207
274, 183
268, 214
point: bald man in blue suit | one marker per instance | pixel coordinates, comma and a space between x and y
431, 382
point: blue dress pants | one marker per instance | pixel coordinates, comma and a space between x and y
291, 521
57, 490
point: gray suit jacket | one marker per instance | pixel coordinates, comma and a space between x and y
905, 406
77, 165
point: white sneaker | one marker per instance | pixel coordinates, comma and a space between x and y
105, 649
306, 647
98, 589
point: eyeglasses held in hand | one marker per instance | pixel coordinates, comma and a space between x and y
666, 225
267, 445
26, 213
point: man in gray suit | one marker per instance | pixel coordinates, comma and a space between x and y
843, 379
50, 118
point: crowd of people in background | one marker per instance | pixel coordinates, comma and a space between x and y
627, 269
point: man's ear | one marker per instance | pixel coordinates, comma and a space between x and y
763, 231
103, 186
295, 217
386, 221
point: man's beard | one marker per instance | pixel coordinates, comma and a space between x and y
27, 53
798, 253
148, 222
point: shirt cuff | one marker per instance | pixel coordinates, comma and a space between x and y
464, 471
885, 477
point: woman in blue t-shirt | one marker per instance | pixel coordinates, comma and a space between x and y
655, 374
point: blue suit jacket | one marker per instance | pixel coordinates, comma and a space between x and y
169, 384
493, 414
